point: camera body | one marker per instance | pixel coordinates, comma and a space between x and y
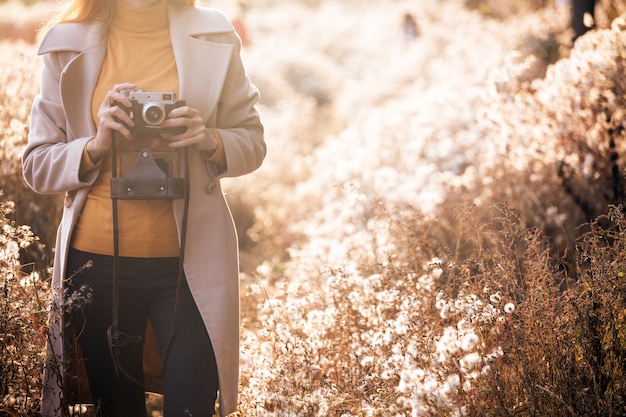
149, 109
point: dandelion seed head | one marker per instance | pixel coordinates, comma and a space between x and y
267, 349
452, 382
404, 385
470, 361
495, 298
509, 308
264, 269
389, 337
469, 341
443, 312
367, 361
448, 341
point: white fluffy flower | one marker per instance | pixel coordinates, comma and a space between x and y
469, 341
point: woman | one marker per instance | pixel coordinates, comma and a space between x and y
124, 254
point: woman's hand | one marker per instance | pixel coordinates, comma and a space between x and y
196, 134
112, 118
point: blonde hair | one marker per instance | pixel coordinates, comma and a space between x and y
85, 10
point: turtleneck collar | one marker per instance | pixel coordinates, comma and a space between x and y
140, 20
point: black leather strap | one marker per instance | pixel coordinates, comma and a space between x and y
117, 339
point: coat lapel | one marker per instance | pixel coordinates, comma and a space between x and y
81, 48
202, 64
77, 85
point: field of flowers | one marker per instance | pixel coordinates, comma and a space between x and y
437, 229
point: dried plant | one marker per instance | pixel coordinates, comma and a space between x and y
22, 320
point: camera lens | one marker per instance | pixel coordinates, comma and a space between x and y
153, 114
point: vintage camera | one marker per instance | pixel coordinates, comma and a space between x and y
149, 109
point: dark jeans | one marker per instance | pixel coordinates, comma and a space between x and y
147, 291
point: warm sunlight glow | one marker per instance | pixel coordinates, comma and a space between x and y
417, 241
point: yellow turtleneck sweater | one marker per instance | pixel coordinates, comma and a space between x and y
138, 51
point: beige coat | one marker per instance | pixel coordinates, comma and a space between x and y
213, 80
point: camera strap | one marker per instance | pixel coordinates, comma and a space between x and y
117, 339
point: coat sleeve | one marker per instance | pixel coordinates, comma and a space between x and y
51, 160
238, 122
